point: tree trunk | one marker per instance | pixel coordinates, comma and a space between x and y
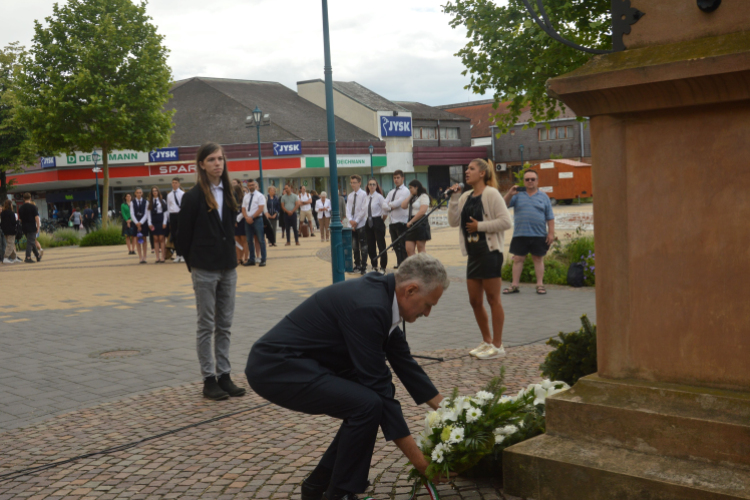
3, 186
105, 194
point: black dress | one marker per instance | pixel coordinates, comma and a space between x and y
482, 264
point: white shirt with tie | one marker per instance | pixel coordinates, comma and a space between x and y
358, 212
218, 192
252, 202
393, 204
174, 200
375, 202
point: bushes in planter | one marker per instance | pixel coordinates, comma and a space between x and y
574, 355
112, 235
555, 272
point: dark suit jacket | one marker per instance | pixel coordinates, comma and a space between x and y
204, 240
343, 330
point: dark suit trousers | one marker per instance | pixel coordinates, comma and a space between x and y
397, 229
360, 408
359, 247
376, 235
174, 223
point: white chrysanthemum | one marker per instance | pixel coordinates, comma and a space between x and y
483, 397
438, 453
473, 414
499, 438
507, 430
457, 435
432, 420
462, 403
449, 415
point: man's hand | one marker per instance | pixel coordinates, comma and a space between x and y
513, 190
353, 224
472, 226
550, 239
434, 403
249, 220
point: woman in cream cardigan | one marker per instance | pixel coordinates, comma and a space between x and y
482, 218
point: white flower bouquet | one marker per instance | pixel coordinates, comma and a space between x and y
464, 429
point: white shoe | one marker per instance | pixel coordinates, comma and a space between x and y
491, 352
18, 259
480, 348
8, 261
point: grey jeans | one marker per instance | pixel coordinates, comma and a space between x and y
214, 300
31, 245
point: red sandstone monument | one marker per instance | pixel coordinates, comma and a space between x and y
667, 416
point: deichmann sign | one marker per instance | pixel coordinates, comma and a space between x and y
345, 161
78, 159
395, 126
174, 169
163, 154
287, 148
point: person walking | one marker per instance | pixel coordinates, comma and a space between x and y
174, 201
8, 226
253, 205
239, 227
323, 209
533, 231
315, 198
88, 219
375, 226
75, 218
328, 356
139, 214
127, 222
290, 204
30, 224
482, 219
157, 223
204, 238
416, 207
356, 213
305, 210
273, 210
398, 216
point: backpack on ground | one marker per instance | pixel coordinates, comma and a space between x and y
575, 275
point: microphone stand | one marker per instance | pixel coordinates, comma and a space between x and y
426, 217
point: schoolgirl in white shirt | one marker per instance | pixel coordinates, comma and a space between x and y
375, 225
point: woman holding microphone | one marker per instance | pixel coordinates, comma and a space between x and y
482, 218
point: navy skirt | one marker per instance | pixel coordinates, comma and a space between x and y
157, 220
239, 228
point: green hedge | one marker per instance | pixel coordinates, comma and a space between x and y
574, 355
101, 237
555, 272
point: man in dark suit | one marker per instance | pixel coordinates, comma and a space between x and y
328, 356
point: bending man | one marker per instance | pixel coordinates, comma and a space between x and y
327, 357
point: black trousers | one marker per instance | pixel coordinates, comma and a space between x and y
174, 220
376, 235
360, 409
397, 229
359, 247
290, 223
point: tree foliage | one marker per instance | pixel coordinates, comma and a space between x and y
510, 56
16, 150
97, 77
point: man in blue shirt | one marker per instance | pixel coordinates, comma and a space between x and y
534, 229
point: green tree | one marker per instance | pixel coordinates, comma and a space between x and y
509, 55
97, 77
16, 149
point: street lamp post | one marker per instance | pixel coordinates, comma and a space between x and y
372, 172
257, 120
337, 246
520, 148
96, 157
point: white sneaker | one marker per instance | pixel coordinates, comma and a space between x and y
8, 261
481, 347
18, 259
491, 352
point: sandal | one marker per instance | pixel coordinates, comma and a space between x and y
511, 289
541, 290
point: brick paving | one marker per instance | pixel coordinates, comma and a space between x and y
259, 454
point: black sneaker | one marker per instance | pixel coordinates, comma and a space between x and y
312, 491
211, 390
262, 263
226, 384
28, 260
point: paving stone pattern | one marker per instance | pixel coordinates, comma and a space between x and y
259, 454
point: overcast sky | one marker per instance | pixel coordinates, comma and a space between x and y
401, 49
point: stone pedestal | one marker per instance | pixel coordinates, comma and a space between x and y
668, 414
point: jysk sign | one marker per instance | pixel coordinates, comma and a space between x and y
163, 154
183, 168
48, 162
287, 148
395, 126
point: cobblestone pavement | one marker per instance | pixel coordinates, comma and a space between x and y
250, 453
79, 302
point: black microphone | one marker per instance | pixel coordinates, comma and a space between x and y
449, 192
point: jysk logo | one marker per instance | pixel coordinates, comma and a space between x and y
48, 162
395, 126
163, 154
287, 148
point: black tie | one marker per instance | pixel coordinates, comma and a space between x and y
393, 196
369, 213
354, 205
176, 200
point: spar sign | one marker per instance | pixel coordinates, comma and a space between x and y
182, 168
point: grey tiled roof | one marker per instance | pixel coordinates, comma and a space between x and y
214, 109
363, 95
421, 111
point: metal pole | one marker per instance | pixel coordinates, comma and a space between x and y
372, 172
260, 160
337, 246
96, 176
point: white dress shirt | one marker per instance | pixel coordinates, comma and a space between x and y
395, 315
174, 200
357, 214
143, 219
375, 202
393, 204
323, 209
218, 192
303, 198
159, 210
258, 201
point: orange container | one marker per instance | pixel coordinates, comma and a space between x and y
564, 180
